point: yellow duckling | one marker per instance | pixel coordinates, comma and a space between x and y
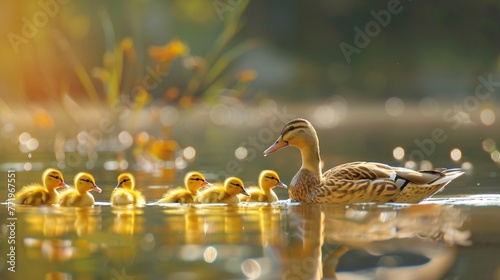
35, 194
268, 179
124, 193
228, 193
79, 195
193, 181
355, 181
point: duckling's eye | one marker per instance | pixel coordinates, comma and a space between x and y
272, 178
236, 184
291, 128
55, 177
125, 180
86, 180
196, 179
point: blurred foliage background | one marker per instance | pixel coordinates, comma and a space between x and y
146, 79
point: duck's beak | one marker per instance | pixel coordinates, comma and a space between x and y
281, 184
280, 143
205, 183
119, 185
244, 192
63, 185
96, 188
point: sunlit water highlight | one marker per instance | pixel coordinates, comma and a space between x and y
442, 237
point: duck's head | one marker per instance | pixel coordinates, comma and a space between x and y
297, 133
53, 179
235, 186
85, 182
269, 179
194, 181
126, 181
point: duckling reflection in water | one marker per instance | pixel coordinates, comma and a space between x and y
268, 179
79, 196
127, 221
227, 193
193, 181
36, 194
125, 192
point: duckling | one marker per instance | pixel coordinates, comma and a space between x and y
224, 194
35, 194
355, 181
79, 195
124, 193
193, 181
268, 179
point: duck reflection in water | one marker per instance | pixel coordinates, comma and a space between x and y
383, 240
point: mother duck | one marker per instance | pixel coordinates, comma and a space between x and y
355, 181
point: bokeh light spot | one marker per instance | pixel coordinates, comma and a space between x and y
210, 254
125, 138
32, 144
251, 268
456, 154
220, 114
189, 153
395, 106
241, 153
398, 153
24, 137
169, 115
487, 117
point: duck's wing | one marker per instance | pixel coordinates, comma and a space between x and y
255, 195
356, 182
177, 195
121, 196
377, 182
419, 185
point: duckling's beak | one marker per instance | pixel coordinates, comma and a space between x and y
244, 192
281, 184
119, 185
205, 183
280, 143
63, 185
96, 188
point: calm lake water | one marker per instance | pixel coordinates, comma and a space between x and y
442, 238
452, 236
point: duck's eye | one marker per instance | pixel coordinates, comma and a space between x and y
236, 184
196, 179
86, 180
125, 180
55, 177
291, 127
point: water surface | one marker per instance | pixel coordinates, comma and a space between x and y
442, 238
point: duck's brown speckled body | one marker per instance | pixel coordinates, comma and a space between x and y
355, 181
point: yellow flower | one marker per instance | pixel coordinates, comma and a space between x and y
43, 119
171, 94
247, 75
168, 52
127, 46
